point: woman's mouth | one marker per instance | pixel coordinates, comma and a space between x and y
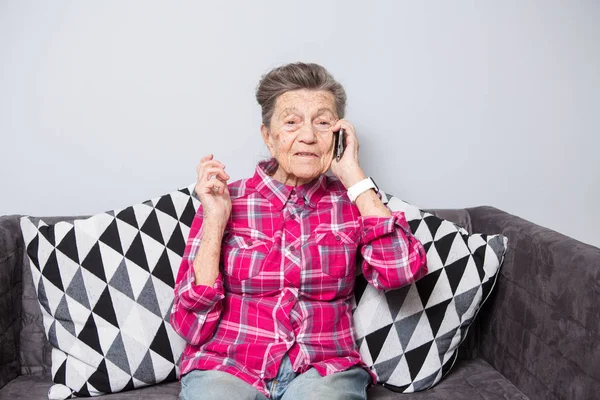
307, 155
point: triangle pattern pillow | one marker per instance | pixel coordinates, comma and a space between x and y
105, 289
409, 336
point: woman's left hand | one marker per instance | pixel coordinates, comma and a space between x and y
348, 169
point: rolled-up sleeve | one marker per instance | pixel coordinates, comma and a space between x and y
392, 256
196, 308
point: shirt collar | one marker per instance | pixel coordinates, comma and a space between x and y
279, 193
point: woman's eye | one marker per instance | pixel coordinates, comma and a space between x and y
290, 122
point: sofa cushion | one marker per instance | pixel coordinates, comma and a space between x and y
105, 288
470, 380
409, 336
469, 348
35, 352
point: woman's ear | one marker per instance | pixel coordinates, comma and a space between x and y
268, 139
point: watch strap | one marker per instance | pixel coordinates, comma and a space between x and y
360, 187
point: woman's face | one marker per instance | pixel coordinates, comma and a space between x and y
300, 135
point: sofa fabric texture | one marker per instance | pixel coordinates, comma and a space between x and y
542, 323
11, 256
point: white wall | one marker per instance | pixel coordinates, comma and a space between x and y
457, 104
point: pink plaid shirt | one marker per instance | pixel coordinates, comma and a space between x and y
288, 265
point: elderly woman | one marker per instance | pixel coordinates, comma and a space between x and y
263, 294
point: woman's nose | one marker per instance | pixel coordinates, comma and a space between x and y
308, 134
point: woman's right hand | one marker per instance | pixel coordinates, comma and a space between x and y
212, 190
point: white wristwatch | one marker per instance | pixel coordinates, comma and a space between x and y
361, 187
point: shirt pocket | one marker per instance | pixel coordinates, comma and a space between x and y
245, 252
337, 250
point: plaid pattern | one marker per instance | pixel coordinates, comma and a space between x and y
288, 266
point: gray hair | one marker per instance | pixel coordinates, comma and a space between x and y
297, 76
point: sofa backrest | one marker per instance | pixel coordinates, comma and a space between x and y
11, 255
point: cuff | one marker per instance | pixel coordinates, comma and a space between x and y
201, 298
375, 227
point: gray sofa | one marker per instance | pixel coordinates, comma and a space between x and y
537, 337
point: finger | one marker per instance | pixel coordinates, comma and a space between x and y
209, 164
212, 162
208, 160
203, 189
336, 127
352, 145
202, 160
351, 138
349, 129
219, 173
223, 189
216, 172
216, 181
219, 182
343, 124
213, 187
350, 133
219, 188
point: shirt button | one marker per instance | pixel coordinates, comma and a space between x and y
249, 242
293, 216
338, 238
292, 248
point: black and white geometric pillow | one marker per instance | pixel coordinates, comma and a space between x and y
409, 336
105, 288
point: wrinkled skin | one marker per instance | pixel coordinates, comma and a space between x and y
303, 121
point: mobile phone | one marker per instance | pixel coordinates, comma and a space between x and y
340, 144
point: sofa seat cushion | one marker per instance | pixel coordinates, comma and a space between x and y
470, 380
31, 387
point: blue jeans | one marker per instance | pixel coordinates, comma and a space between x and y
287, 385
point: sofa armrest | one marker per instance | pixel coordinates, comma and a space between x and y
11, 257
540, 327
